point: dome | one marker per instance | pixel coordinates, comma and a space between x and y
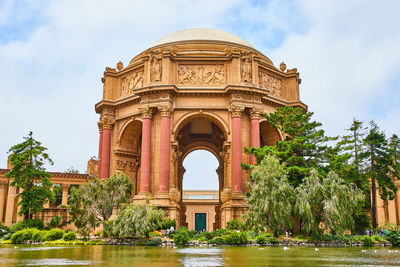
201, 34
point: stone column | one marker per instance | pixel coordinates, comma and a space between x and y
145, 170
254, 131
165, 153
64, 199
106, 147
3, 199
100, 125
8, 220
236, 112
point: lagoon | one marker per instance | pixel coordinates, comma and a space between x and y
24, 255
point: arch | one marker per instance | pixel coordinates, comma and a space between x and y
201, 145
130, 133
188, 117
126, 125
268, 135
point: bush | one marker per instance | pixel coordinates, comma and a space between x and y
252, 234
55, 222
393, 237
207, 235
235, 225
273, 240
69, 236
269, 235
261, 239
4, 230
34, 223
53, 234
154, 242
220, 232
235, 238
378, 238
154, 233
368, 242
95, 242
181, 236
167, 223
23, 235
299, 237
216, 240
192, 234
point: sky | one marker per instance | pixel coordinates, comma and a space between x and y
53, 54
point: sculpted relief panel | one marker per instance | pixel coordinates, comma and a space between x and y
270, 82
132, 81
201, 75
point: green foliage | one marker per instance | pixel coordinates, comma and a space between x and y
368, 241
270, 196
329, 200
69, 236
154, 242
362, 221
304, 146
393, 237
181, 236
137, 220
34, 223
28, 173
192, 234
55, 222
95, 201
378, 238
235, 225
207, 235
261, 239
217, 240
95, 242
28, 234
299, 237
273, 240
57, 191
167, 223
233, 237
4, 230
53, 234
65, 243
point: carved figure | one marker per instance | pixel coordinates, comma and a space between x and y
156, 68
201, 75
270, 82
246, 68
131, 82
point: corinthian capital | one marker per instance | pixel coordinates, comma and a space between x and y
100, 126
146, 112
236, 110
165, 110
106, 123
255, 113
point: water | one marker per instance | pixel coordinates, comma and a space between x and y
223, 256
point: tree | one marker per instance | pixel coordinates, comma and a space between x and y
28, 174
379, 167
304, 144
327, 203
137, 220
95, 201
270, 196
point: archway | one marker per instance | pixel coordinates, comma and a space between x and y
201, 133
200, 193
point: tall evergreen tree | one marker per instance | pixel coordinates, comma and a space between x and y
304, 145
379, 167
394, 150
28, 174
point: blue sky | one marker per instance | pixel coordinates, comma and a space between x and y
53, 54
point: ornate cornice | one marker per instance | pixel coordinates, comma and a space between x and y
146, 112
165, 110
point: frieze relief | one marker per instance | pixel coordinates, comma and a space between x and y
245, 98
273, 84
131, 82
126, 165
161, 97
201, 75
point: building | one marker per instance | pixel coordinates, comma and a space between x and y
192, 89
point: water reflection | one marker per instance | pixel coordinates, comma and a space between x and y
169, 257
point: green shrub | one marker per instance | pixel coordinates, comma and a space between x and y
7, 236
65, 243
53, 234
207, 235
34, 223
235, 238
154, 242
368, 242
220, 232
235, 225
193, 233
69, 236
269, 235
167, 223
203, 239
4, 230
378, 238
32, 234
55, 222
181, 236
252, 234
216, 240
95, 242
273, 240
299, 237
261, 239
393, 237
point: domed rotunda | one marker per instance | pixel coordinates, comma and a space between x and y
193, 89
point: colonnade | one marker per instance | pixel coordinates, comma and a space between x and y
105, 128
